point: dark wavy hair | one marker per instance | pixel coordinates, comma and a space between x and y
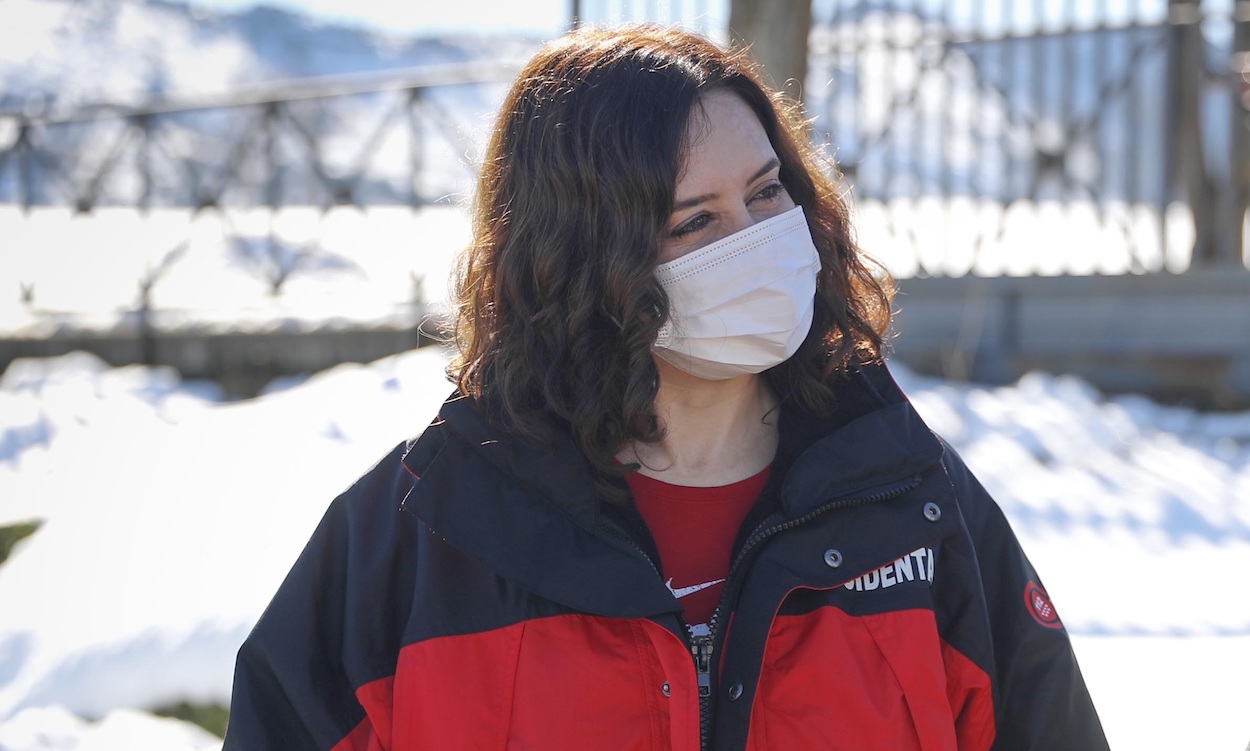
556, 301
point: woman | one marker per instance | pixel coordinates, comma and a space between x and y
677, 501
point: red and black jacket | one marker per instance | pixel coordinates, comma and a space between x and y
472, 592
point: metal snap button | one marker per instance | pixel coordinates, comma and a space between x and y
735, 692
932, 511
665, 689
833, 558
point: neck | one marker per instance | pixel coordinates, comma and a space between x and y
716, 432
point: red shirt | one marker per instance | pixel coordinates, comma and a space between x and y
694, 529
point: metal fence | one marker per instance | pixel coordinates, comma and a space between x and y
705, 16
356, 139
233, 172
1116, 114
966, 129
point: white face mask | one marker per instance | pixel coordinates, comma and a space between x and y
742, 304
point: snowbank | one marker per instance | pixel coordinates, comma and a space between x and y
168, 518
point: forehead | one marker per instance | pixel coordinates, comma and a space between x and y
725, 141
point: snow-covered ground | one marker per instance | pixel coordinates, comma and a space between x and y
216, 270
170, 516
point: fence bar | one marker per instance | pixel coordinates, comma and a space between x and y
1239, 128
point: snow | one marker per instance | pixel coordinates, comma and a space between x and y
55, 728
170, 517
342, 267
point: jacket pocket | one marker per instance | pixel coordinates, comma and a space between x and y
570, 682
839, 682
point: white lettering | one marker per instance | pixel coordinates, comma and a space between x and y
919, 555
902, 569
897, 572
887, 576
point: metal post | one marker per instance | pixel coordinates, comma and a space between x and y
1185, 126
144, 158
1233, 253
273, 197
25, 150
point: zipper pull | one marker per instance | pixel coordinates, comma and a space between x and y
701, 648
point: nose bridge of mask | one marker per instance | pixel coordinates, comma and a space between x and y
719, 253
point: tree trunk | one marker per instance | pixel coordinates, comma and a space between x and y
776, 32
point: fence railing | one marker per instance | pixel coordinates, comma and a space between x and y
968, 128
346, 140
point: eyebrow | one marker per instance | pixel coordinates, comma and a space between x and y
769, 166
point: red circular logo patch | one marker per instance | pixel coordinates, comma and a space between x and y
1040, 606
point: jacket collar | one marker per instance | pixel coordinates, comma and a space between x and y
874, 439
557, 472
838, 467
531, 512
528, 512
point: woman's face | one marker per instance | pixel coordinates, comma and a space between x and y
729, 181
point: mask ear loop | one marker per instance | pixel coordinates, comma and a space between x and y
665, 337
662, 338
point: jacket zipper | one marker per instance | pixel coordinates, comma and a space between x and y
702, 647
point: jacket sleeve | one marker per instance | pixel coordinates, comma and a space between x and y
1041, 702
315, 672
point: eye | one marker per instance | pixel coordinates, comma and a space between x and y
692, 226
770, 192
